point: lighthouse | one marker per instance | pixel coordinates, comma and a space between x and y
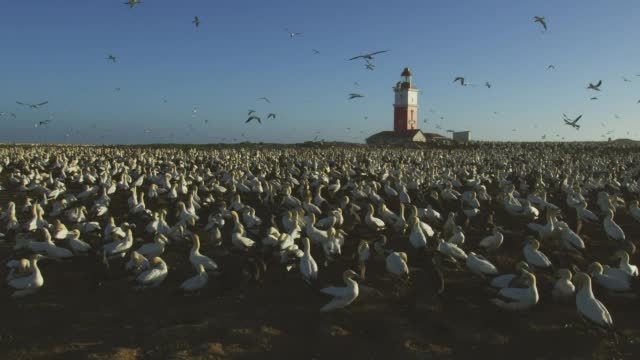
405, 107
405, 116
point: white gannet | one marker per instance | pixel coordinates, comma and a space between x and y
196, 258
308, 266
480, 266
588, 306
535, 257
506, 280
373, 222
492, 242
154, 276
342, 296
563, 289
624, 264
519, 298
397, 264
28, 284
196, 282
613, 230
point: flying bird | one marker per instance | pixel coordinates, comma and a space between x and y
487, 84
316, 51
292, 34
625, 79
265, 99
251, 112
541, 20
113, 58
369, 65
253, 117
354, 95
32, 106
572, 123
133, 3
196, 21
551, 67
271, 116
594, 98
43, 123
595, 87
368, 56
460, 79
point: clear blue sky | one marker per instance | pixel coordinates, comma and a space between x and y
56, 50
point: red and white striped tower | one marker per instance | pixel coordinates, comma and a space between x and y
405, 108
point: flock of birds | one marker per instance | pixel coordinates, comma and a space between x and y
368, 59
378, 217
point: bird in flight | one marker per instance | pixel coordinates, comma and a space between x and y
369, 65
625, 79
196, 21
573, 123
292, 34
43, 123
265, 99
251, 112
271, 116
354, 95
551, 67
32, 106
487, 84
460, 79
253, 117
112, 58
541, 20
594, 98
595, 87
316, 51
368, 56
133, 3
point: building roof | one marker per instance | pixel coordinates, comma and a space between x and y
401, 136
406, 72
388, 135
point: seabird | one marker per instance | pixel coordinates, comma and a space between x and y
368, 56
196, 21
594, 98
595, 87
112, 58
354, 95
541, 20
460, 79
572, 123
32, 106
316, 51
271, 116
265, 99
551, 67
133, 3
253, 117
292, 34
487, 84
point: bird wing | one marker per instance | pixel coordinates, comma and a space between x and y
356, 57
21, 103
577, 119
378, 52
334, 291
43, 103
599, 83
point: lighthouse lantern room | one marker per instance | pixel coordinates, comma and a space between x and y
405, 114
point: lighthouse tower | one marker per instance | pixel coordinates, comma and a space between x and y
405, 108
